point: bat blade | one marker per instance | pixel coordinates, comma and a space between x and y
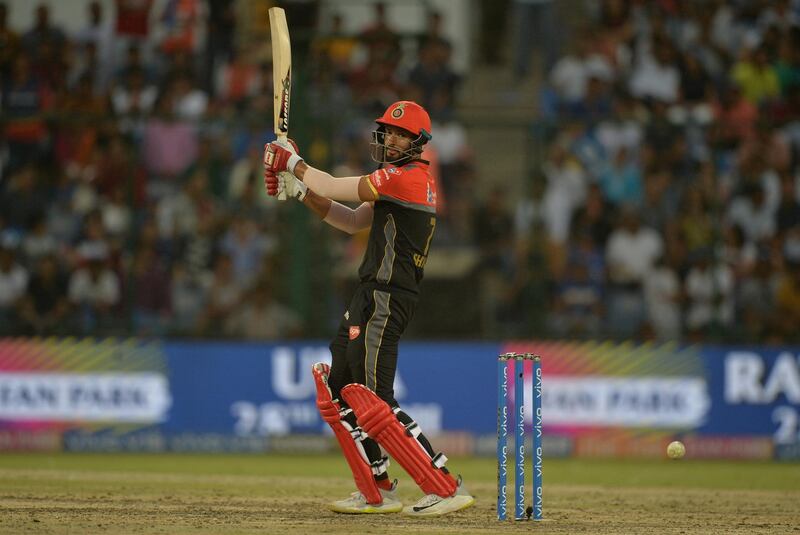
281, 74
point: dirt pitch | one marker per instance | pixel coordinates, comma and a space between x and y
260, 494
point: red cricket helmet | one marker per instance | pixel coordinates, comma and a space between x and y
412, 118
408, 116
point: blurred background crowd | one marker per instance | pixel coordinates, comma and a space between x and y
660, 197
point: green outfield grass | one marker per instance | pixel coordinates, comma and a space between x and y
248, 494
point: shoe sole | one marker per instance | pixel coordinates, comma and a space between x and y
384, 509
457, 503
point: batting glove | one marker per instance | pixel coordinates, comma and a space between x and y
293, 186
280, 157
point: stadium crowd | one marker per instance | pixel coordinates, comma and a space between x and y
667, 205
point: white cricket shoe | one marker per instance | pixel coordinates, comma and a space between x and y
357, 504
435, 505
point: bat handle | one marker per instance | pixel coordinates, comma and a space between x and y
283, 138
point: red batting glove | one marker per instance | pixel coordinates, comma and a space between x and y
271, 182
278, 157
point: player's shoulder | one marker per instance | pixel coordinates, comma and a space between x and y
406, 172
410, 185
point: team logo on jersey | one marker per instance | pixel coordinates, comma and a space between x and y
394, 170
398, 111
355, 330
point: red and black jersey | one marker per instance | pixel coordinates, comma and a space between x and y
402, 226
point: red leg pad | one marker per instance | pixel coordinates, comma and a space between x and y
376, 418
353, 452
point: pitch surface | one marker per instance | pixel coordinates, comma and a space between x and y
263, 494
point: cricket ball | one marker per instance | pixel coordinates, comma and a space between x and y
676, 450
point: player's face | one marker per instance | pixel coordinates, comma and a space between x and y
396, 140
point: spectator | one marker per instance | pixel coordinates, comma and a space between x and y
757, 78
150, 285
621, 180
224, 294
755, 301
709, 291
178, 214
662, 296
570, 75
433, 73
381, 41
788, 212
38, 242
735, 118
493, 224
238, 78
594, 217
13, 282
622, 129
134, 97
43, 35
169, 145
191, 102
23, 100
44, 309
695, 81
97, 36
133, 18
133, 62
221, 34
631, 253
750, 211
260, 317
695, 223
94, 289
25, 200
578, 303
659, 203
9, 43
180, 23
534, 24
246, 247
654, 75
335, 49
493, 237
188, 295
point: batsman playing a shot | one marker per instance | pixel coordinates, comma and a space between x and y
355, 394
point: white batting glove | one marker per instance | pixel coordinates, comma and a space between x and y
292, 186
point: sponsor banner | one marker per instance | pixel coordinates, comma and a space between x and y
753, 448
156, 441
454, 444
552, 445
599, 398
625, 402
104, 397
755, 392
21, 440
605, 445
787, 452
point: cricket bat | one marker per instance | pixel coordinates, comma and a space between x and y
281, 75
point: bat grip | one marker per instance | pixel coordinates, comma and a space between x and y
283, 138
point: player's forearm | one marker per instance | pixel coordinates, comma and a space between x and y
348, 220
338, 189
317, 203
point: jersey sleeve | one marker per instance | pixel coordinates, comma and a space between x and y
412, 186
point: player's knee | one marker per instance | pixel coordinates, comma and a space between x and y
404, 418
